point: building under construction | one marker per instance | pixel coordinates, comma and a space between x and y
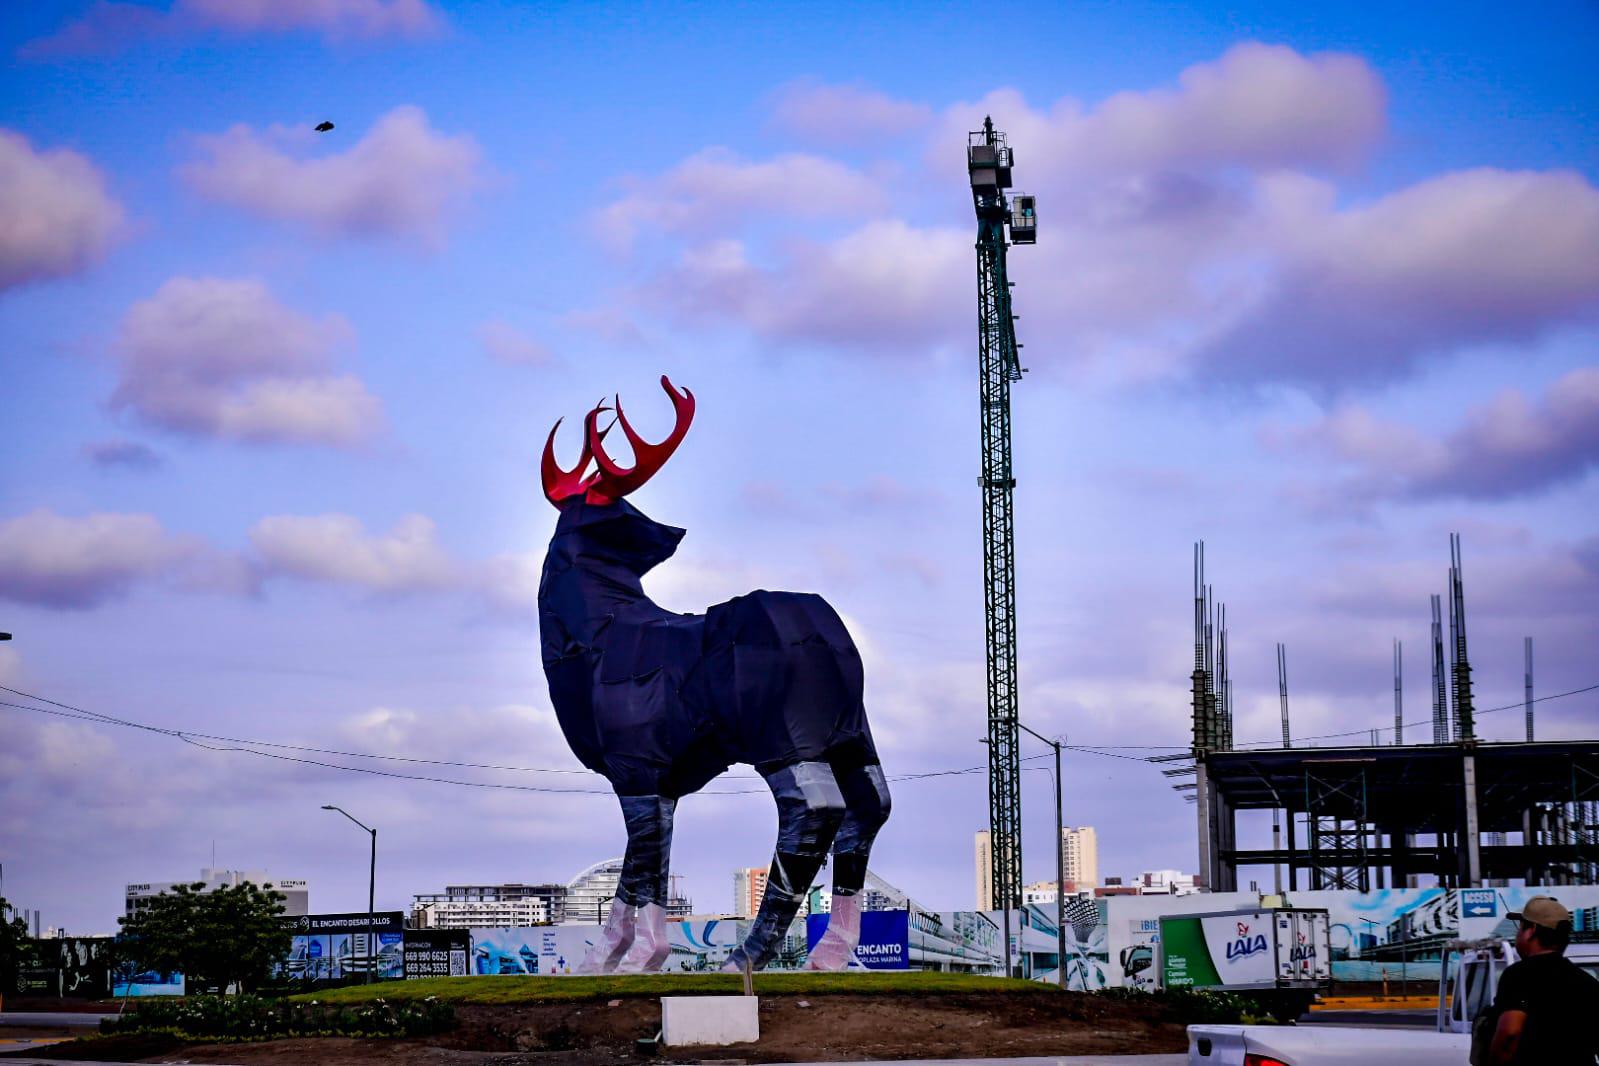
1372, 816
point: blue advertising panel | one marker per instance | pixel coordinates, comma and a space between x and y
885, 937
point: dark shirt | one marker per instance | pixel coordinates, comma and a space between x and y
1561, 1003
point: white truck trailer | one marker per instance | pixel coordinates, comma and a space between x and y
1280, 956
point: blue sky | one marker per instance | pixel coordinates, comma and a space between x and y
1317, 285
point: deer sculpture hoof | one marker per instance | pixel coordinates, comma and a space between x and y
650, 943
836, 949
615, 939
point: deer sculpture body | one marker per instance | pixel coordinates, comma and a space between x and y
661, 703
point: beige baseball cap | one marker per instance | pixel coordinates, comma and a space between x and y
1542, 910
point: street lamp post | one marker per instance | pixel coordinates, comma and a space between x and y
371, 888
1060, 864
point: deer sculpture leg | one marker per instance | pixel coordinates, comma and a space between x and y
866, 808
633, 939
810, 807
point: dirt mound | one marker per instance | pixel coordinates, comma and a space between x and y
793, 1028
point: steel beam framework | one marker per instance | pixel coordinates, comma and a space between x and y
1335, 807
1391, 813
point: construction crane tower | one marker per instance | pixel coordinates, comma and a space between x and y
988, 162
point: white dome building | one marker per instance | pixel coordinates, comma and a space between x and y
588, 895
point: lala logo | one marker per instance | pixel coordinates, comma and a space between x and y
1304, 951
1245, 945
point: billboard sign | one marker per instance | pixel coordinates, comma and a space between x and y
84, 963
884, 943
436, 952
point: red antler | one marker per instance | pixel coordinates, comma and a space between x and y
614, 482
561, 485
610, 482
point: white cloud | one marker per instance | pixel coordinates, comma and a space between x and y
845, 114
1369, 292
1177, 236
336, 19
110, 26
403, 179
1258, 106
510, 582
887, 286
1511, 446
53, 560
56, 217
337, 549
1157, 214
715, 189
223, 358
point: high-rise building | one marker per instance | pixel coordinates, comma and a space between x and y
749, 888
297, 893
985, 870
1082, 855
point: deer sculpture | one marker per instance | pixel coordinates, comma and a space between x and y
660, 703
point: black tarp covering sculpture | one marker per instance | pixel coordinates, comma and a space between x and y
660, 703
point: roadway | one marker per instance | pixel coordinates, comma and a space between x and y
1406, 1019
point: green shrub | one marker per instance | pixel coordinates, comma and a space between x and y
229, 1018
1197, 1006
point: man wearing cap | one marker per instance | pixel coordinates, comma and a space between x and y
1546, 1004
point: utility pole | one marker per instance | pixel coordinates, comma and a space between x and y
988, 164
1060, 865
372, 955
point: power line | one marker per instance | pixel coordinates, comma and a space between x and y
251, 747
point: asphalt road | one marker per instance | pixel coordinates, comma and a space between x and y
1406, 1019
41, 1019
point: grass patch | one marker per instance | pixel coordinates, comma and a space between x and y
531, 989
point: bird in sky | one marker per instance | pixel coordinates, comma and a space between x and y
324, 127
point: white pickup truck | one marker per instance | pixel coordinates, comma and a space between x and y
1464, 991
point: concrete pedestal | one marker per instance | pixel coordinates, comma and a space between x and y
709, 1020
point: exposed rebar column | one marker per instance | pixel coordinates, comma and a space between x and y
1223, 684
1440, 694
1282, 689
1212, 704
1465, 722
1527, 699
1201, 682
1399, 692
